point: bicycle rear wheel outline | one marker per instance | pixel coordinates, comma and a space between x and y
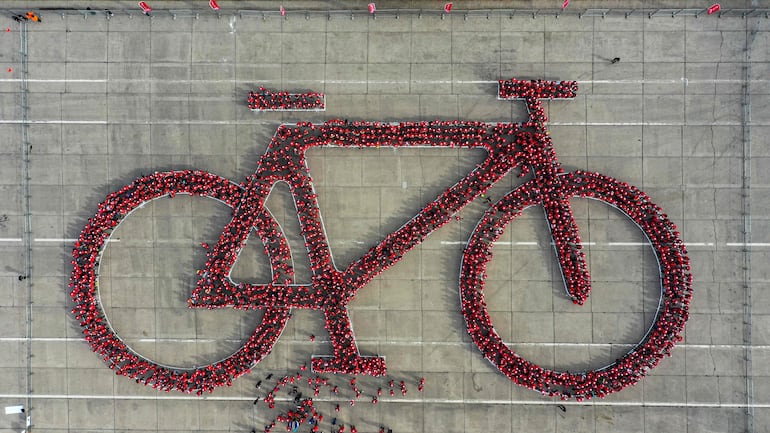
658, 340
99, 334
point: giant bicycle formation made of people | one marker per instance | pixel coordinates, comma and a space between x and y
526, 147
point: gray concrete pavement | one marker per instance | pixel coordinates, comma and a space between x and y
113, 99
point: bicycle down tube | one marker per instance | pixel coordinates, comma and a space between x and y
508, 145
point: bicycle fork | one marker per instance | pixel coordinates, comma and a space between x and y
547, 171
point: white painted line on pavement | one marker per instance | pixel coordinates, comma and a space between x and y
398, 400
493, 243
397, 343
259, 122
49, 240
517, 243
131, 122
750, 244
682, 80
645, 124
45, 122
66, 240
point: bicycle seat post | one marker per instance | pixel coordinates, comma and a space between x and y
537, 117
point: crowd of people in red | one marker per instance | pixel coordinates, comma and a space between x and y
271, 100
303, 410
526, 146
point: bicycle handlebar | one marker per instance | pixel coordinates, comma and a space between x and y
536, 89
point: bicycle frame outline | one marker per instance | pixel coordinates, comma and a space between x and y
340, 287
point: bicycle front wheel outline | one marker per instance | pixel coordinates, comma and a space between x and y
660, 338
89, 312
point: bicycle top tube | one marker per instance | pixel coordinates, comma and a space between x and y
514, 143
